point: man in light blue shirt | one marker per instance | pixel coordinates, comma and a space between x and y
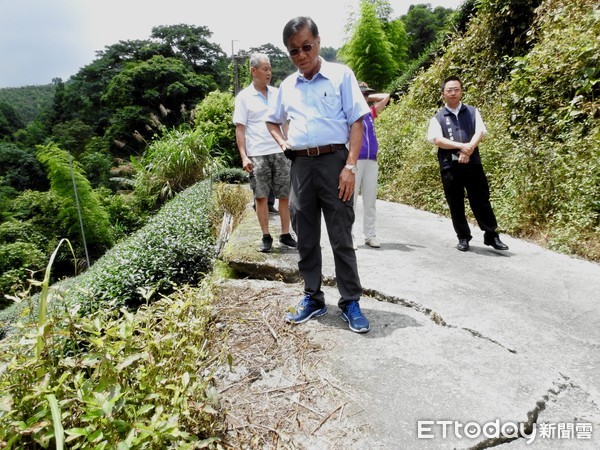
323, 107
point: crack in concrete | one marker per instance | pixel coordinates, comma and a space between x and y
434, 316
479, 335
525, 428
261, 271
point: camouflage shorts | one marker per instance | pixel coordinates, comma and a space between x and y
270, 172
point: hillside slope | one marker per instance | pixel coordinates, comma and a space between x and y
28, 101
532, 68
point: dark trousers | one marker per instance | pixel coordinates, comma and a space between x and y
315, 192
469, 177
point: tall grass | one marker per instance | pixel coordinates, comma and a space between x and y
171, 164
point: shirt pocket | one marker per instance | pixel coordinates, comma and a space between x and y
329, 103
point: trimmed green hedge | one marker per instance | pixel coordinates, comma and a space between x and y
176, 246
231, 175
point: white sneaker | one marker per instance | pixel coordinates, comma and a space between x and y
372, 243
354, 246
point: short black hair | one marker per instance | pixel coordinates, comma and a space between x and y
296, 24
451, 78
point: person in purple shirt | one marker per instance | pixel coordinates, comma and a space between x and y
323, 107
366, 177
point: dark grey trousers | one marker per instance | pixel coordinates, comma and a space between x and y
314, 192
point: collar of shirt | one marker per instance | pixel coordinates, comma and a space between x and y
259, 93
454, 111
323, 72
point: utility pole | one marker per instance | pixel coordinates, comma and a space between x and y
234, 62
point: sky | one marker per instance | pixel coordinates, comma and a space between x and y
45, 39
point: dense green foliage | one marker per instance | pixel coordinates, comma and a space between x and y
430, 45
80, 204
120, 380
540, 105
9, 120
423, 25
232, 175
134, 87
20, 169
173, 163
159, 85
46, 215
105, 376
411, 41
96, 166
213, 117
18, 260
175, 247
395, 32
38, 213
28, 101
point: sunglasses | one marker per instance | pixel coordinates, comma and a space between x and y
305, 48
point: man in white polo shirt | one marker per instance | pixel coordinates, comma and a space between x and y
261, 157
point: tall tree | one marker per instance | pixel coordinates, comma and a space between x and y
160, 86
129, 80
396, 34
369, 53
423, 25
191, 44
383, 9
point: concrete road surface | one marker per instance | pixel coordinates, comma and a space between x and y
462, 345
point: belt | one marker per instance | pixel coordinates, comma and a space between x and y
320, 150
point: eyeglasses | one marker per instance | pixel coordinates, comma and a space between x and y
305, 48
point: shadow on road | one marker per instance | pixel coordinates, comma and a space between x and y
383, 323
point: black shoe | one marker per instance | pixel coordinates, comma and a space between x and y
463, 245
267, 243
272, 210
287, 239
496, 243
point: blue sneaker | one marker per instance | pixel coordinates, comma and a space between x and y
305, 310
352, 314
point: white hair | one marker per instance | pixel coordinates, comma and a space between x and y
256, 59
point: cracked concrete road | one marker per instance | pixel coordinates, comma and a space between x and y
481, 338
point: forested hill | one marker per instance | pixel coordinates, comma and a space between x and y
533, 69
28, 101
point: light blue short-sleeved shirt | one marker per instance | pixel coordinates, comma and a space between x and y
321, 110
